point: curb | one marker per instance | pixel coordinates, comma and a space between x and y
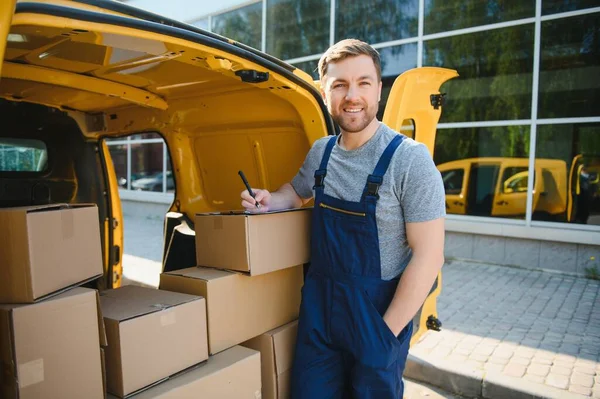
465, 381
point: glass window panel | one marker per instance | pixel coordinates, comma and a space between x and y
570, 67
310, 67
446, 15
243, 25
143, 136
568, 158
147, 167
297, 28
118, 153
201, 23
556, 6
479, 166
394, 61
375, 21
22, 155
495, 69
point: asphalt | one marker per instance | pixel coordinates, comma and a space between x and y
506, 333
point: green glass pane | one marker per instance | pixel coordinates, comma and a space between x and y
243, 25
570, 67
556, 6
375, 21
445, 15
310, 67
297, 28
495, 69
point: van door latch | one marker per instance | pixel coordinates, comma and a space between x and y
437, 100
433, 323
252, 76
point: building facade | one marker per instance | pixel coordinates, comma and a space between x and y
526, 104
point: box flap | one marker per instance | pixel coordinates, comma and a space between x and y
201, 273
284, 342
231, 374
238, 212
131, 301
45, 208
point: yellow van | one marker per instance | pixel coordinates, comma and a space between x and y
498, 187
76, 73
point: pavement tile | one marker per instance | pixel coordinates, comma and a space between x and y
494, 367
523, 361
587, 370
538, 369
557, 381
515, 370
582, 379
560, 370
534, 378
580, 390
541, 361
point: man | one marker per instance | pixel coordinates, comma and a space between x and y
377, 239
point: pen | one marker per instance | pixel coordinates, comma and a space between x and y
248, 188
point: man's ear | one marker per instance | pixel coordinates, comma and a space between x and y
380, 87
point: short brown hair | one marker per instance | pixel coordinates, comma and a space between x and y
348, 48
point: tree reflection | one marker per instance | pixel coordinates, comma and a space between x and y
243, 25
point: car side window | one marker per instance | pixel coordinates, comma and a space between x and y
453, 181
23, 155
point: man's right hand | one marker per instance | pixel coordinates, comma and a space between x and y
263, 197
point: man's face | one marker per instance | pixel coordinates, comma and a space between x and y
352, 92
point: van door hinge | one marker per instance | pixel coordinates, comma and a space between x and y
437, 100
433, 323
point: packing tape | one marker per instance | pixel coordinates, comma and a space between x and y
67, 223
167, 318
218, 223
30, 373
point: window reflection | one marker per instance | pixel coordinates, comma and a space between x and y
556, 6
570, 67
201, 23
484, 170
118, 153
375, 21
243, 25
445, 15
495, 70
297, 28
568, 156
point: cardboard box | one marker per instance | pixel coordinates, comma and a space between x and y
240, 307
51, 349
254, 243
46, 249
276, 349
231, 374
152, 334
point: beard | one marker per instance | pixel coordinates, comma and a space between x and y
351, 123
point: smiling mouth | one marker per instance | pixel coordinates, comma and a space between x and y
353, 110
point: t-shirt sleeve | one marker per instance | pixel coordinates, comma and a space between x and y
304, 180
423, 197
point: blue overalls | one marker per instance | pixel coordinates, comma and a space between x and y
344, 347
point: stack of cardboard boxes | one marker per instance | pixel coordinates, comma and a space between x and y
251, 274
51, 331
224, 329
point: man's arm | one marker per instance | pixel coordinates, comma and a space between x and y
284, 198
426, 239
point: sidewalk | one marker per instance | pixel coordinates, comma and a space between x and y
506, 333
512, 333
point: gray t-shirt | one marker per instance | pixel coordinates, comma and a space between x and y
412, 189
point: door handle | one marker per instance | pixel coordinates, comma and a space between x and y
502, 202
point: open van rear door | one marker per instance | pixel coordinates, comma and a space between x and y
415, 99
7, 9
